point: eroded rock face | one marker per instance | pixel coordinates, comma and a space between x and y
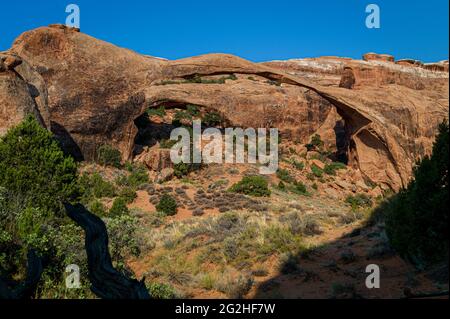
96, 91
22, 92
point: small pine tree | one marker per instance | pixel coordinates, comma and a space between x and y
32, 164
417, 217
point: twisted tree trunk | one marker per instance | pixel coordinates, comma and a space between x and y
25, 289
107, 282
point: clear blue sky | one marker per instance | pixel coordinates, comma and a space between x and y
256, 30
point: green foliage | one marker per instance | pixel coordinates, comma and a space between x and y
94, 186
122, 238
317, 171
316, 143
192, 110
33, 165
212, 119
159, 112
359, 200
128, 194
167, 205
271, 82
331, 169
417, 217
161, 291
285, 176
97, 208
119, 207
252, 185
299, 188
137, 176
298, 165
109, 156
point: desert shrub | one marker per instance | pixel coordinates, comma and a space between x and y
94, 186
161, 291
128, 194
252, 185
138, 176
417, 217
346, 290
289, 264
359, 200
181, 169
317, 171
167, 143
97, 208
35, 178
122, 238
212, 119
235, 287
167, 205
299, 188
109, 156
281, 186
285, 176
193, 110
298, 165
159, 112
119, 207
315, 186
301, 225
272, 82
331, 169
316, 143
33, 165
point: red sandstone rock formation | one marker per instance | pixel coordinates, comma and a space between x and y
96, 91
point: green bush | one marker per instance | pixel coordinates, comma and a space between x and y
167, 205
159, 112
128, 194
137, 177
298, 165
161, 291
252, 185
331, 169
359, 200
317, 171
122, 239
94, 186
281, 186
193, 110
417, 217
119, 207
33, 165
285, 176
109, 156
97, 208
316, 143
300, 188
212, 119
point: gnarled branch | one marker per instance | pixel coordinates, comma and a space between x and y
107, 282
25, 289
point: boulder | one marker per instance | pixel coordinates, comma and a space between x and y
378, 57
348, 79
22, 92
